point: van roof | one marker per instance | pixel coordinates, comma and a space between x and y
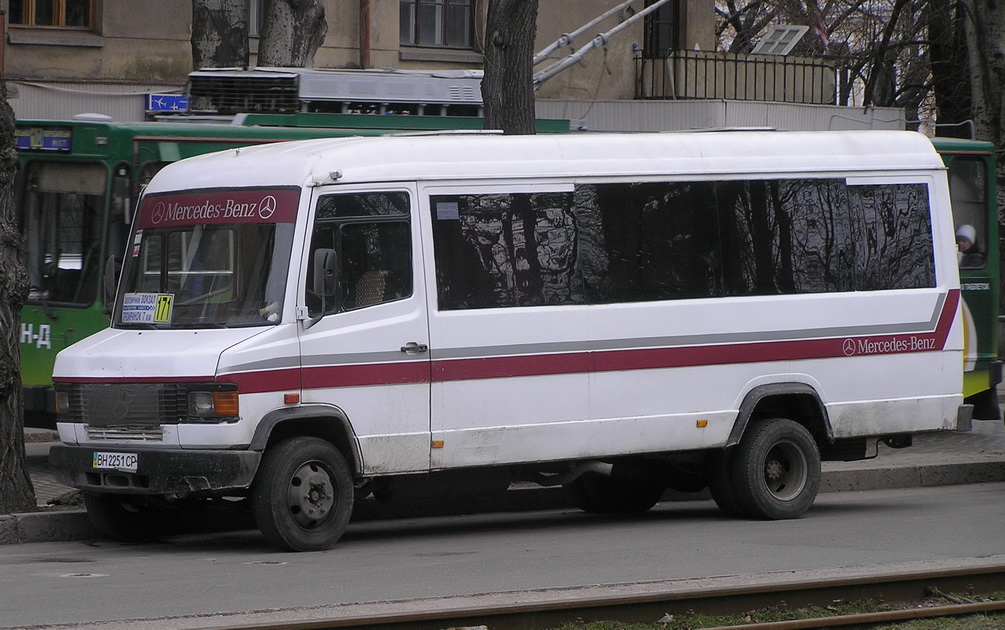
493, 156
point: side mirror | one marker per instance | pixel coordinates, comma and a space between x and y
325, 267
109, 284
325, 282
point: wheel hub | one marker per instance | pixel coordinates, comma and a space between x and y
785, 471
774, 470
311, 495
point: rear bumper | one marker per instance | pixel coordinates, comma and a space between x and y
157, 471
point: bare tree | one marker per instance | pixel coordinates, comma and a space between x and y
984, 26
292, 32
985, 34
508, 85
16, 491
880, 46
219, 33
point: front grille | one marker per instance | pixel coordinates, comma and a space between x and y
128, 406
128, 434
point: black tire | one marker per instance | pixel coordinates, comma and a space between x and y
600, 494
776, 470
303, 493
720, 484
124, 518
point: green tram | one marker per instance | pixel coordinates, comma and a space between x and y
972, 187
77, 187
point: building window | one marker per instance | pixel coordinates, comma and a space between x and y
58, 13
662, 30
446, 23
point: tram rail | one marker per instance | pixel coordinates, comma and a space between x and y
895, 589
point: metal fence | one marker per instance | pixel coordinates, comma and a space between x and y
686, 74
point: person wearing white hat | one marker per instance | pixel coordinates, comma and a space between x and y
968, 254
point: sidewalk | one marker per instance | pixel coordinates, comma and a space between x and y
935, 459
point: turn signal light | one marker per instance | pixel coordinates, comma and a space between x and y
225, 403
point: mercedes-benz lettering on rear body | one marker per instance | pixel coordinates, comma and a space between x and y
308, 325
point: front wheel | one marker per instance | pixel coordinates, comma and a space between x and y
303, 493
775, 470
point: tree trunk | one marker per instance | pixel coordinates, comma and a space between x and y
985, 32
16, 491
292, 32
219, 34
947, 51
508, 85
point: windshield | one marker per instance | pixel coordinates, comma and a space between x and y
203, 259
62, 211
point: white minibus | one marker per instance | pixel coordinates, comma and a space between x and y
308, 324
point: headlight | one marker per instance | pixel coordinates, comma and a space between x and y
212, 405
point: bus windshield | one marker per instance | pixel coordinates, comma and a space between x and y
62, 219
208, 259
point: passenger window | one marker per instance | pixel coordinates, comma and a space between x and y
371, 237
649, 241
504, 250
893, 235
611, 243
786, 236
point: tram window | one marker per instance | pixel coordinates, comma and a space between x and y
62, 214
968, 192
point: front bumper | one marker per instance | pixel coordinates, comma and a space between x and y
157, 471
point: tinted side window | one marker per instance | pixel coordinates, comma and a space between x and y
893, 236
649, 241
785, 236
505, 250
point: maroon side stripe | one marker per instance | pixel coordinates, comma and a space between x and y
446, 370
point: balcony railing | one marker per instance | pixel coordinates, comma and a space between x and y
686, 74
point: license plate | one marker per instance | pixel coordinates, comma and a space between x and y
125, 462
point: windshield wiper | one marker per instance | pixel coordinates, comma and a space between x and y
140, 325
190, 325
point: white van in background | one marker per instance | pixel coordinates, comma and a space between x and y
308, 323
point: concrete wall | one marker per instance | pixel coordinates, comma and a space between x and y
690, 115
148, 41
133, 41
142, 46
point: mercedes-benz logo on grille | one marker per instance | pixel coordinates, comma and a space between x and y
848, 347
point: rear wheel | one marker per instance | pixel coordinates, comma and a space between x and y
720, 483
601, 494
303, 493
775, 470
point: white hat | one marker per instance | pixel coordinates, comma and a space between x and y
968, 232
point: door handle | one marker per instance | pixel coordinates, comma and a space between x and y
414, 348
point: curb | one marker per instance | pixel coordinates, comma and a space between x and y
914, 476
62, 525
34, 436
57, 526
